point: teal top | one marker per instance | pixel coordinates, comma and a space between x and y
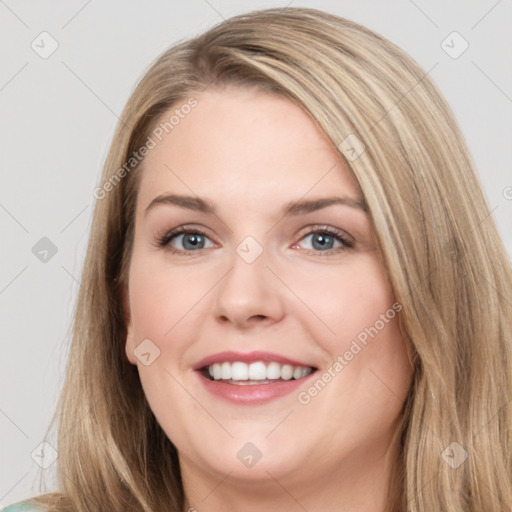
22, 506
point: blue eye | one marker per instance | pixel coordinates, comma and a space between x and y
191, 240
322, 241
325, 240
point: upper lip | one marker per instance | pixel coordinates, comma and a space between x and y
248, 357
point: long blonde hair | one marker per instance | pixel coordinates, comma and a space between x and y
445, 261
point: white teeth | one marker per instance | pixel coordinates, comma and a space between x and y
273, 371
257, 371
287, 372
226, 371
239, 371
217, 371
297, 373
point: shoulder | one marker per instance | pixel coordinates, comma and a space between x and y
22, 506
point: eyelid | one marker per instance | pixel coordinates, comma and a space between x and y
346, 240
326, 228
163, 240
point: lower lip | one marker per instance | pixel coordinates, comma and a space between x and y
251, 394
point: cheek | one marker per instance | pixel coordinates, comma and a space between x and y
369, 373
159, 301
346, 300
355, 317
160, 297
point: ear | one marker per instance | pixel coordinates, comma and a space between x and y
129, 346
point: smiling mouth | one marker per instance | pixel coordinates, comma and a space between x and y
256, 373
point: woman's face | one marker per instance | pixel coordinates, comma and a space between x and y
273, 285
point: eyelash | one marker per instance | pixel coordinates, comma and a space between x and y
164, 241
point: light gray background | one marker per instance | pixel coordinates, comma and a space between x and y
58, 116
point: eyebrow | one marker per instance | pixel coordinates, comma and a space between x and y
293, 208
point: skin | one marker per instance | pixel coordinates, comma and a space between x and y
250, 153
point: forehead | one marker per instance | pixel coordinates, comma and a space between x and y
244, 146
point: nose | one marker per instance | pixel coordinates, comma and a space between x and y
249, 294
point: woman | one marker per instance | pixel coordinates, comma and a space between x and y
294, 297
